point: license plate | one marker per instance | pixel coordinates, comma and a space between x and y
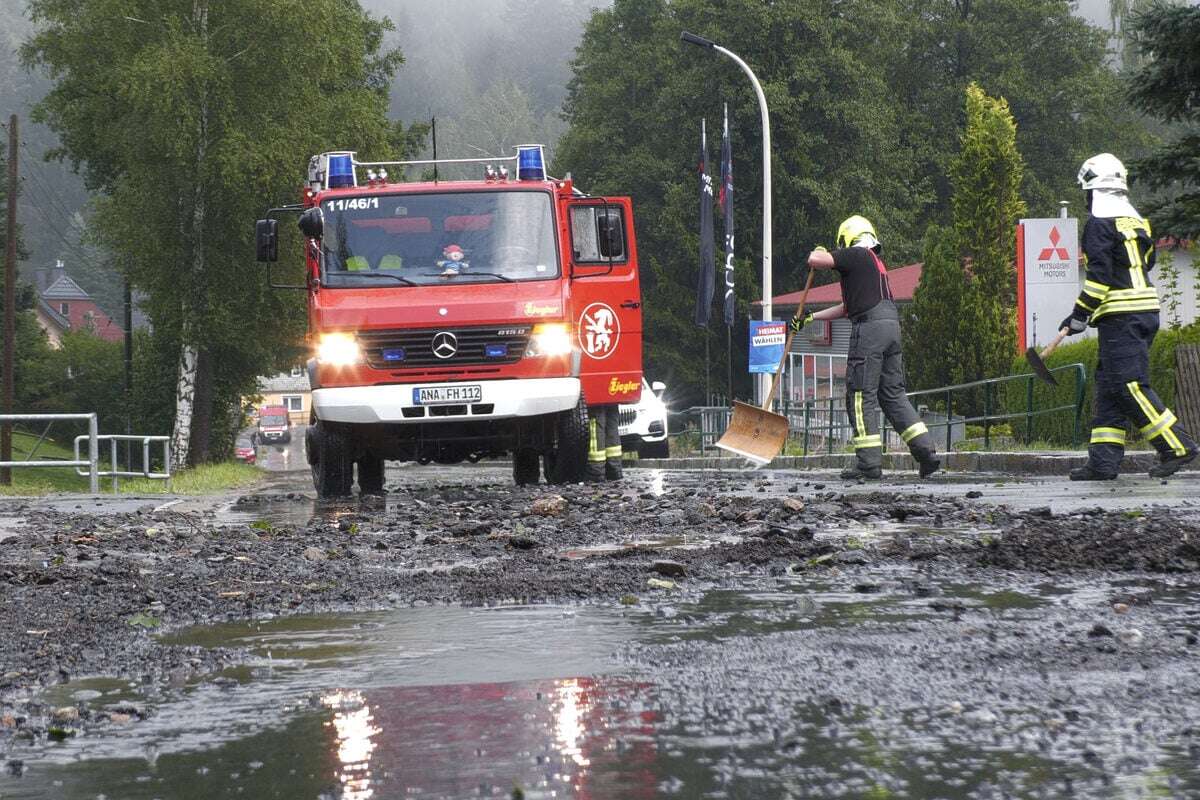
438, 395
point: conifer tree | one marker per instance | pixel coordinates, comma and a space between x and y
961, 325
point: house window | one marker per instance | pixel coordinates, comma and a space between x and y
297, 372
294, 402
64, 309
820, 331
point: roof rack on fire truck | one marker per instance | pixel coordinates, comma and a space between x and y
336, 170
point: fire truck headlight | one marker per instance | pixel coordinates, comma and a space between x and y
338, 349
549, 339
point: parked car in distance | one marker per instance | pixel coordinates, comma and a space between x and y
274, 425
644, 423
244, 450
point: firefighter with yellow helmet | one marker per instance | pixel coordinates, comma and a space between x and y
874, 369
1121, 303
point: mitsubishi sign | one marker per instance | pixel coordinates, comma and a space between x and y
1048, 277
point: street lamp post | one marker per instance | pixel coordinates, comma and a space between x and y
700, 41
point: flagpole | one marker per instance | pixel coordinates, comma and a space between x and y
692, 38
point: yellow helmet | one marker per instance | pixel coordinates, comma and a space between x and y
853, 229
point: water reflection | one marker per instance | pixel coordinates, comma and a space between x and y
355, 728
573, 737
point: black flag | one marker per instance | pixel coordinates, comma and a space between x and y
704, 288
726, 199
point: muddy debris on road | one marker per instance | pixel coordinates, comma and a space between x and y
86, 594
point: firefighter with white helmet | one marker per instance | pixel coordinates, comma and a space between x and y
1121, 303
874, 369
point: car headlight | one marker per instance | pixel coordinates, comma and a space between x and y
338, 349
549, 339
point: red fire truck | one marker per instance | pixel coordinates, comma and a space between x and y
459, 320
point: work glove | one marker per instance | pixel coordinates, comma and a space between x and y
1073, 324
798, 322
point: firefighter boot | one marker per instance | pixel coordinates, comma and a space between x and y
1089, 473
613, 456
1169, 465
857, 473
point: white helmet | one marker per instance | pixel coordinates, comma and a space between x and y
1104, 171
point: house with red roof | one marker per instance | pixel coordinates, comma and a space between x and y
63, 305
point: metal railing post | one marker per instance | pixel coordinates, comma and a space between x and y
1029, 410
829, 438
116, 482
987, 416
93, 454
949, 420
806, 417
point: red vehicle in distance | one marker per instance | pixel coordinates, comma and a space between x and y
457, 320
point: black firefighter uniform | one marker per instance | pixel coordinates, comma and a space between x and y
1121, 303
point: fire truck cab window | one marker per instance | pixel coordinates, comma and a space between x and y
597, 234
433, 239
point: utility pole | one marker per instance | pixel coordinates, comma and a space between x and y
764, 380
128, 373
10, 300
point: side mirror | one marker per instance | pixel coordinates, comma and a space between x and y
266, 240
611, 234
312, 222
658, 387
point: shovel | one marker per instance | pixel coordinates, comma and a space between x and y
1038, 363
755, 433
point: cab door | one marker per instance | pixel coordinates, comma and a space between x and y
605, 299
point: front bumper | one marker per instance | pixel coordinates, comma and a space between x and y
393, 403
646, 428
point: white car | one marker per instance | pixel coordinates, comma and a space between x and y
644, 423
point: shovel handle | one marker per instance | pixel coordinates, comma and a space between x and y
787, 345
1054, 344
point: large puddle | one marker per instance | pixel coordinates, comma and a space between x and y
706, 695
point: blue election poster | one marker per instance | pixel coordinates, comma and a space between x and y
766, 345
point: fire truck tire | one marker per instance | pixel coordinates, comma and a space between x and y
370, 475
332, 469
525, 467
568, 464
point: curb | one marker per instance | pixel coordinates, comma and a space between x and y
1048, 463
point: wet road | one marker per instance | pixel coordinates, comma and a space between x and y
866, 681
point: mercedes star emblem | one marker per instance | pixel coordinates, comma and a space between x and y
445, 344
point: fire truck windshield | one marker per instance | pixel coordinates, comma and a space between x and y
433, 239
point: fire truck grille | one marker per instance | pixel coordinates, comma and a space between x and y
434, 347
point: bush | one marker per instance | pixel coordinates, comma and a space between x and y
1056, 428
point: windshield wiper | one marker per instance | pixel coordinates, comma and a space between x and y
470, 274
383, 275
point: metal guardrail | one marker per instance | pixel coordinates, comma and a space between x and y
830, 406
146, 471
825, 417
93, 446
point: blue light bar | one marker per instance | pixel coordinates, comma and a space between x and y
531, 163
341, 170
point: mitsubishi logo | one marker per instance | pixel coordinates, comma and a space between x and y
1054, 251
445, 344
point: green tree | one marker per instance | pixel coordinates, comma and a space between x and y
1050, 64
190, 126
964, 306
1167, 86
634, 109
866, 110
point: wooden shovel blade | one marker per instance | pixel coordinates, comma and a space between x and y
1039, 367
755, 434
